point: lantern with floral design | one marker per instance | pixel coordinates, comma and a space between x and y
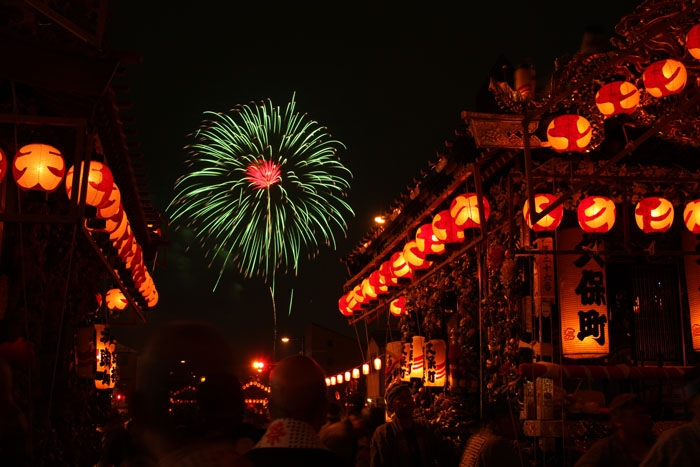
618, 97
692, 41
464, 209
38, 167
596, 214
569, 133
691, 216
548, 222
654, 214
99, 185
665, 78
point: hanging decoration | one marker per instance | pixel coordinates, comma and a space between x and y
380, 285
427, 242
691, 216
417, 361
399, 267
583, 302
111, 205
445, 229
435, 363
116, 300
38, 167
397, 307
618, 97
99, 185
665, 78
549, 222
464, 210
654, 214
692, 41
3, 165
692, 276
106, 374
596, 214
414, 257
569, 133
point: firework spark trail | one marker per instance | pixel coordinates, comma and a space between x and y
263, 186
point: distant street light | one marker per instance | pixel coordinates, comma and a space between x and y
301, 340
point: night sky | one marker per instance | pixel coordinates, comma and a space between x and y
388, 83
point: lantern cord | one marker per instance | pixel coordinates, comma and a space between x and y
63, 313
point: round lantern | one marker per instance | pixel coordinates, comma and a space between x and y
111, 206
99, 186
618, 97
399, 266
445, 229
3, 165
692, 41
414, 257
664, 78
358, 295
38, 167
654, 214
569, 133
691, 216
368, 290
464, 209
397, 306
378, 282
549, 222
116, 299
387, 273
596, 214
427, 242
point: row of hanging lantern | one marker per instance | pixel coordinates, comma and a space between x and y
597, 214
446, 227
354, 373
41, 167
573, 133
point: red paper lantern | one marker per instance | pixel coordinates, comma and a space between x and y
368, 290
596, 214
464, 209
654, 214
414, 257
618, 97
387, 273
358, 295
549, 222
116, 299
445, 229
378, 282
427, 242
399, 266
569, 133
665, 78
691, 216
397, 307
692, 41
38, 167
99, 186
3, 165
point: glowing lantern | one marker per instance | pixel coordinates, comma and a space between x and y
414, 257
435, 362
665, 78
397, 306
691, 216
418, 360
569, 133
378, 282
387, 274
3, 165
111, 205
596, 214
427, 242
368, 290
464, 209
365, 368
355, 373
654, 214
399, 266
358, 295
99, 186
618, 97
38, 167
549, 222
445, 229
116, 299
692, 41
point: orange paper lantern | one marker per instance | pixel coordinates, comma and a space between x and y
665, 78
549, 222
427, 242
445, 229
464, 209
387, 273
569, 133
111, 205
99, 186
378, 282
38, 167
3, 165
368, 290
692, 41
414, 257
596, 214
397, 306
654, 214
691, 216
399, 266
343, 306
618, 97
115, 299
